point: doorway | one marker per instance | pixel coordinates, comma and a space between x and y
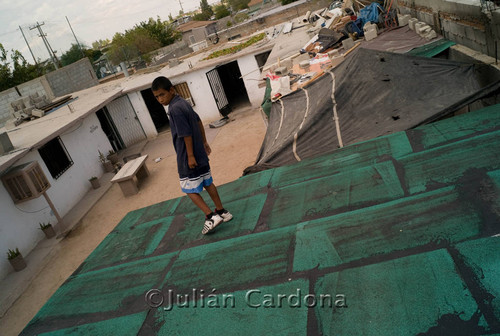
156, 110
228, 87
125, 120
109, 129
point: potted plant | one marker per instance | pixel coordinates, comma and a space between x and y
95, 182
16, 259
108, 165
47, 229
112, 156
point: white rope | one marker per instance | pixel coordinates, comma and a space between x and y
295, 136
335, 116
281, 122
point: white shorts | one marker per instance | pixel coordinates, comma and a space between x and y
195, 182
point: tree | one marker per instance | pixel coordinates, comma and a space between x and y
5, 73
237, 5
75, 53
143, 38
286, 2
160, 31
121, 49
23, 71
93, 55
206, 12
19, 70
72, 55
206, 9
221, 11
100, 44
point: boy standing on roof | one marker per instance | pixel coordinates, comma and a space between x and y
192, 150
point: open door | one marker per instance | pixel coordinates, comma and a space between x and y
218, 92
109, 129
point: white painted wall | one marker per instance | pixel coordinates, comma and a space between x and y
82, 143
249, 69
202, 95
200, 89
19, 222
143, 114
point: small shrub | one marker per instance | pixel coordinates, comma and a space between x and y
236, 48
102, 158
43, 226
13, 253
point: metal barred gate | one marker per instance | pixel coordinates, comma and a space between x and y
123, 115
218, 92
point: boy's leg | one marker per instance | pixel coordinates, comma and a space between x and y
212, 219
200, 203
214, 195
219, 209
192, 185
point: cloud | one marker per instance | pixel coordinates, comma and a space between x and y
91, 20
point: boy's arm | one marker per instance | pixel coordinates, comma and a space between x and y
205, 143
188, 140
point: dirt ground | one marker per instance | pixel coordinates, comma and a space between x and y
234, 147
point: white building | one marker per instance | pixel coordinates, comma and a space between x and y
114, 115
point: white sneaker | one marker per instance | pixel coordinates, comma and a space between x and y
211, 223
226, 215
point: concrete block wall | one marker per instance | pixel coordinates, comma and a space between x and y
176, 50
290, 13
38, 85
179, 48
74, 77
461, 9
6, 97
458, 21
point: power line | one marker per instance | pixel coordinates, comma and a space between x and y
9, 32
28, 45
46, 42
78, 43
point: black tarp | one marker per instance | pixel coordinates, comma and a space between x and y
373, 93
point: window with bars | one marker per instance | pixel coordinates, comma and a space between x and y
56, 157
182, 90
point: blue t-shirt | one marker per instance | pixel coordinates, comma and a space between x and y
184, 122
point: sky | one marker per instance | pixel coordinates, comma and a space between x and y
91, 20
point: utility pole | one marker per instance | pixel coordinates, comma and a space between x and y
25, 40
46, 42
180, 4
78, 43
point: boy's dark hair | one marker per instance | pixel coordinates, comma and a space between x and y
161, 83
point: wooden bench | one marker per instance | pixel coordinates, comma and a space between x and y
129, 175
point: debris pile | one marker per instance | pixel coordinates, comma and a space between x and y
336, 31
32, 107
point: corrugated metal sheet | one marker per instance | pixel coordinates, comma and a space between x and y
126, 121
